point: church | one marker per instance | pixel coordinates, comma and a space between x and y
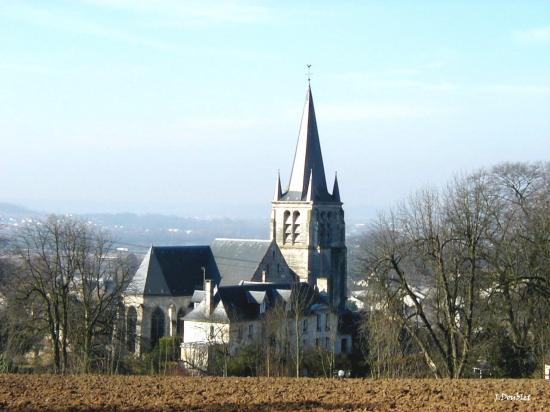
230, 285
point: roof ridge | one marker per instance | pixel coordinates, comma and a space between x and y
244, 240
178, 246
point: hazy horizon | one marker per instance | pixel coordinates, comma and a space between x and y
190, 108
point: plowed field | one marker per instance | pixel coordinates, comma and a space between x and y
47, 392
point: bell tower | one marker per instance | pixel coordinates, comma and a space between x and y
307, 221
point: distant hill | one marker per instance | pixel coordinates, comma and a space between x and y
11, 209
137, 232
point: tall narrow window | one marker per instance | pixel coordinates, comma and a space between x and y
287, 228
157, 326
344, 345
296, 227
131, 323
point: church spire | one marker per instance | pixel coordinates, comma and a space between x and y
308, 158
336, 189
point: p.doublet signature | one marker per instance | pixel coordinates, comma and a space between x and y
515, 397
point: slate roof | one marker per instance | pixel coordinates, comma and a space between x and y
238, 259
198, 296
242, 302
174, 271
307, 179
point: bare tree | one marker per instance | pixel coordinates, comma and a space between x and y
66, 271
301, 297
46, 253
519, 255
326, 351
102, 277
426, 257
275, 339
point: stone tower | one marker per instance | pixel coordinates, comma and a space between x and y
307, 221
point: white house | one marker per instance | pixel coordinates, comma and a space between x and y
231, 317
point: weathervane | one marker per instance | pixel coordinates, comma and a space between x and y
309, 73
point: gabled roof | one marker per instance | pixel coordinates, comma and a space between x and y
238, 259
200, 314
284, 294
198, 296
243, 302
308, 161
257, 296
174, 271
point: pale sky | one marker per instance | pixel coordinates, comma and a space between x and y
190, 107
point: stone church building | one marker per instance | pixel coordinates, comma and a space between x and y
177, 287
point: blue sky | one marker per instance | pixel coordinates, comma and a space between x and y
191, 107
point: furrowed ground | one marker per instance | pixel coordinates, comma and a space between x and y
93, 392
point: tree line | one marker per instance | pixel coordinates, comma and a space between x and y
60, 292
459, 278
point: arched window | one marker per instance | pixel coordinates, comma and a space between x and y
179, 324
120, 324
157, 326
131, 323
296, 227
287, 228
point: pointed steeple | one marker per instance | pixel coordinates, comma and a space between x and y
278, 190
308, 158
336, 189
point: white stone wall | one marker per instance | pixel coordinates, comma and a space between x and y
198, 338
206, 332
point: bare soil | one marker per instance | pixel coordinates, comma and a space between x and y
147, 393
